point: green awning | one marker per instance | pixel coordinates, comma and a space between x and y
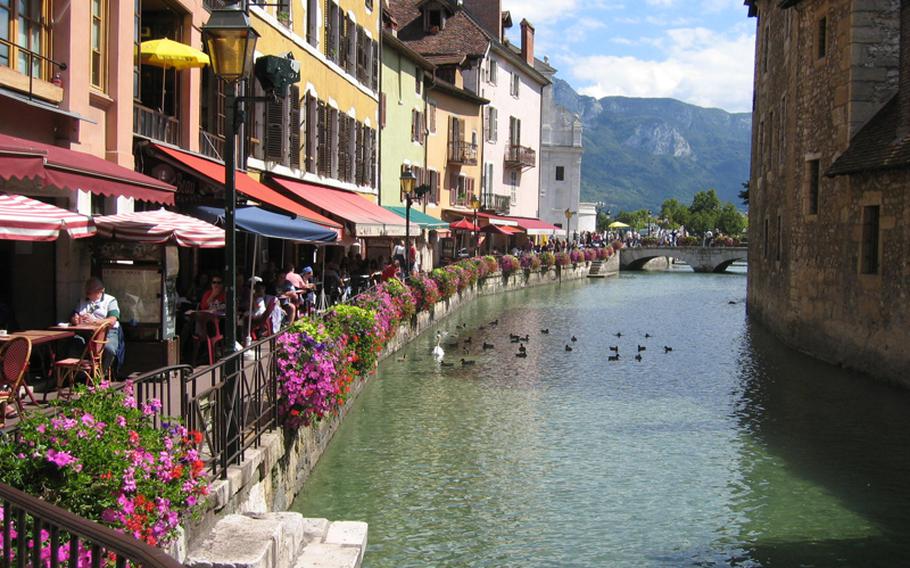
419, 217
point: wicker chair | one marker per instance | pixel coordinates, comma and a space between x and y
90, 364
14, 358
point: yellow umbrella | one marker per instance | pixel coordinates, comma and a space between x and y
169, 54
618, 225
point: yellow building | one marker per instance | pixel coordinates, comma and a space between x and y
326, 131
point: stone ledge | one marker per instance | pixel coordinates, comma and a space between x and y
329, 556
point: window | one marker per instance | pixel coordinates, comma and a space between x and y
332, 32
516, 82
434, 21
99, 42
822, 37
418, 126
25, 23
514, 131
513, 182
312, 22
433, 182
368, 4
492, 71
761, 146
869, 261
560, 173
814, 181
431, 110
283, 123
490, 126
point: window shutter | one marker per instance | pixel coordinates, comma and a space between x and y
294, 125
324, 166
432, 108
374, 76
423, 127
452, 186
495, 124
372, 164
434, 185
312, 120
382, 105
460, 123
328, 15
274, 130
487, 112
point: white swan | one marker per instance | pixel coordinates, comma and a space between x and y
438, 352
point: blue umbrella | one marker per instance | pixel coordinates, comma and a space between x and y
268, 224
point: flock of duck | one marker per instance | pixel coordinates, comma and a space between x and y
465, 345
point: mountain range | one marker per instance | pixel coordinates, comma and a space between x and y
639, 152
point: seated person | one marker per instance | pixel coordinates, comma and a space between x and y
96, 308
288, 297
391, 270
213, 299
308, 290
267, 318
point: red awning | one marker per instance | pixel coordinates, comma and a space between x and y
246, 185
534, 226
368, 218
65, 169
498, 219
160, 227
502, 230
26, 219
463, 225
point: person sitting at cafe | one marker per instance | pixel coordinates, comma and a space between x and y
213, 299
308, 290
295, 279
391, 270
95, 308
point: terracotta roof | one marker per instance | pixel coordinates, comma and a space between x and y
389, 39
883, 143
446, 59
461, 34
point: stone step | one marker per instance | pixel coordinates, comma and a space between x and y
280, 540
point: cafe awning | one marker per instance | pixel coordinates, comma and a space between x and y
268, 224
367, 218
28, 164
533, 226
463, 225
497, 219
160, 227
501, 230
214, 172
26, 219
425, 221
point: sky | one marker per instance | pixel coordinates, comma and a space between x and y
697, 51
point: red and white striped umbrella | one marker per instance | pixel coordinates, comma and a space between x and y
161, 226
26, 219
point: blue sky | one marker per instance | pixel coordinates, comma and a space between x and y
698, 51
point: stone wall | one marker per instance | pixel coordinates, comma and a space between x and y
804, 278
272, 475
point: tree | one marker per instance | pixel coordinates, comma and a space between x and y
603, 219
730, 221
636, 219
744, 194
675, 213
705, 201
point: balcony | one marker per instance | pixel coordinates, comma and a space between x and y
15, 63
520, 157
499, 204
211, 145
463, 153
155, 125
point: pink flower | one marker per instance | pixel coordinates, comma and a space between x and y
60, 459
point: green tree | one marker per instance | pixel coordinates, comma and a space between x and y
675, 213
603, 219
730, 221
705, 201
636, 219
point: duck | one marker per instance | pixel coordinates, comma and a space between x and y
513, 336
482, 328
638, 357
613, 357
444, 364
494, 323
648, 336
568, 347
618, 334
521, 349
525, 338
438, 352
614, 348
545, 331
466, 363
574, 339
402, 358
487, 345
667, 349
521, 354
515, 339
641, 348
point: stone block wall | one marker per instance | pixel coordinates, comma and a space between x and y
272, 475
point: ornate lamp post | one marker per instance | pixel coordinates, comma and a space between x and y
475, 205
569, 213
408, 181
231, 43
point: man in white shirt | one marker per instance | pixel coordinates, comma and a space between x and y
96, 308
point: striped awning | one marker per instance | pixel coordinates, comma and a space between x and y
159, 227
26, 219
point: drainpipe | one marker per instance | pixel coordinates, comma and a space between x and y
379, 125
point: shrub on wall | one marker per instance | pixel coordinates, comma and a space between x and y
562, 259
402, 297
530, 261
103, 458
425, 290
458, 276
547, 259
358, 329
576, 256
492, 264
509, 264
445, 281
307, 361
590, 254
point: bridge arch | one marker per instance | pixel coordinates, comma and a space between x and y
701, 259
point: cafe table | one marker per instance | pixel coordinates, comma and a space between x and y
42, 337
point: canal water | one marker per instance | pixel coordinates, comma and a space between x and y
730, 450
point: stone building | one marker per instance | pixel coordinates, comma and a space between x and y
829, 215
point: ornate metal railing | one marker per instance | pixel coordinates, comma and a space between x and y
36, 533
501, 204
211, 145
155, 125
463, 153
12, 51
520, 156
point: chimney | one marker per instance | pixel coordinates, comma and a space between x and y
488, 14
527, 42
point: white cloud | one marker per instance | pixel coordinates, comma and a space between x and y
699, 66
540, 11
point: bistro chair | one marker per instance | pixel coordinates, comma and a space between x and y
14, 358
208, 332
262, 326
90, 364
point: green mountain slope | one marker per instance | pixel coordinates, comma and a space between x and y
639, 152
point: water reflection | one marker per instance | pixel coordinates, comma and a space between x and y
729, 451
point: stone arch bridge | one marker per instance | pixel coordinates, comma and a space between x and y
701, 259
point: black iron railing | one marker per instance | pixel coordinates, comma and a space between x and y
36, 533
13, 50
520, 156
464, 153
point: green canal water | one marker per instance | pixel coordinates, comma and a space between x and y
731, 450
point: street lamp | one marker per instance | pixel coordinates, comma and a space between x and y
231, 42
475, 205
569, 213
408, 181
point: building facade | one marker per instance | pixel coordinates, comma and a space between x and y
828, 211
561, 150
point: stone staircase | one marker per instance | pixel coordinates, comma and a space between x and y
594, 272
280, 540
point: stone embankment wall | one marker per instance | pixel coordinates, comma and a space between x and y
274, 473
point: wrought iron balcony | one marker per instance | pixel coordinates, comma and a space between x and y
499, 204
155, 125
520, 157
463, 153
211, 145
